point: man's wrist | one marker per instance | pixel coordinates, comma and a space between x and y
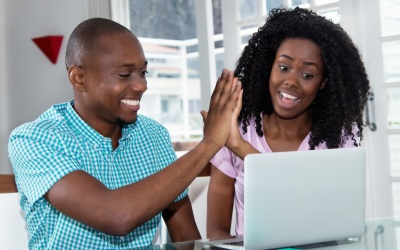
209, 146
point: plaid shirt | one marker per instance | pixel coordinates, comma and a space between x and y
59, 142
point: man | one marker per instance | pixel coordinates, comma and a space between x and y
92, 173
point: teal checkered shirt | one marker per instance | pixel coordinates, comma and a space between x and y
59, 142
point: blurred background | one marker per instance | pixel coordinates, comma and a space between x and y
187, 44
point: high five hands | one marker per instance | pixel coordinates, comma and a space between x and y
220, 122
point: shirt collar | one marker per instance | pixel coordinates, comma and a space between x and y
84, 130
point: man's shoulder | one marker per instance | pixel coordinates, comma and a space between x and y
52, 120
147, 123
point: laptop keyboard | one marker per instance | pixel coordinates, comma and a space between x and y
234, 243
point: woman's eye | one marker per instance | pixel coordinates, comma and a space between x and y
307, 76
283, 68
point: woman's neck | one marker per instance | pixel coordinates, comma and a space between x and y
286, 134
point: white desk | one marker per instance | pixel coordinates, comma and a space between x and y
381, 234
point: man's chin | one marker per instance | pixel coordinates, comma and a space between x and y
123, 122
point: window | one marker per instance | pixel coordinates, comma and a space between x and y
164, 106
390, 37
168, 33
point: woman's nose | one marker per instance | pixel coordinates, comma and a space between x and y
292, 80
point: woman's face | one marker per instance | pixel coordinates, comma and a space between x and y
296, 77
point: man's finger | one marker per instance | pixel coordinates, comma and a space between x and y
223, 88
204, 115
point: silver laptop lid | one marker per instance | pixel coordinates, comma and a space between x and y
302, 197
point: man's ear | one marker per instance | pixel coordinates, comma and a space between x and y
323, 83
75, 75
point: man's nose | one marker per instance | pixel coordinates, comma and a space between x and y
139, 84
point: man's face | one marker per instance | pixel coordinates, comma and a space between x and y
114, 75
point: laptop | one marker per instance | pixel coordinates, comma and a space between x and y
300, 198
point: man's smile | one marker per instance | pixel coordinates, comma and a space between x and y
130, 102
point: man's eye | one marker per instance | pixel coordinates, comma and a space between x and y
144, 72
124, 75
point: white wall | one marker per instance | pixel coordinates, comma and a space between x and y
29, 82
3, 96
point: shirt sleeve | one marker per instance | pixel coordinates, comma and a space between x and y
39, 158
223, 160
167, 154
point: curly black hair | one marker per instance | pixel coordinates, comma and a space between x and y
338, 106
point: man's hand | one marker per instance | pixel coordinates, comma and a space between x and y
223, 108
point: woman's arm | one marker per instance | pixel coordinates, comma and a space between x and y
220, 197
243, 150
179, 218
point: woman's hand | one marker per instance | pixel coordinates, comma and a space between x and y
235, 138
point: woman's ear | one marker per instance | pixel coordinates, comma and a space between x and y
323, 83
75, 75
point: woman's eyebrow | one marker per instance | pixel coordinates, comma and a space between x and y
287, 57
305, 62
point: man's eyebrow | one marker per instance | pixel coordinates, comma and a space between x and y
131, 65
306, 62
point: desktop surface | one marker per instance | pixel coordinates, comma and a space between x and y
381, 234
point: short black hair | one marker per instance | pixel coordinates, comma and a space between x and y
83, 38
338, 106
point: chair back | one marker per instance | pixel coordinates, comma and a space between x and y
7, 183
13, 233
198, 191
198, 198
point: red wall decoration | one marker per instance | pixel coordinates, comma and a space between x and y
50, 46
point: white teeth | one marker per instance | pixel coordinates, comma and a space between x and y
288, 96
130, 102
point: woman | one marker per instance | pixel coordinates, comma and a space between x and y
304, 88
